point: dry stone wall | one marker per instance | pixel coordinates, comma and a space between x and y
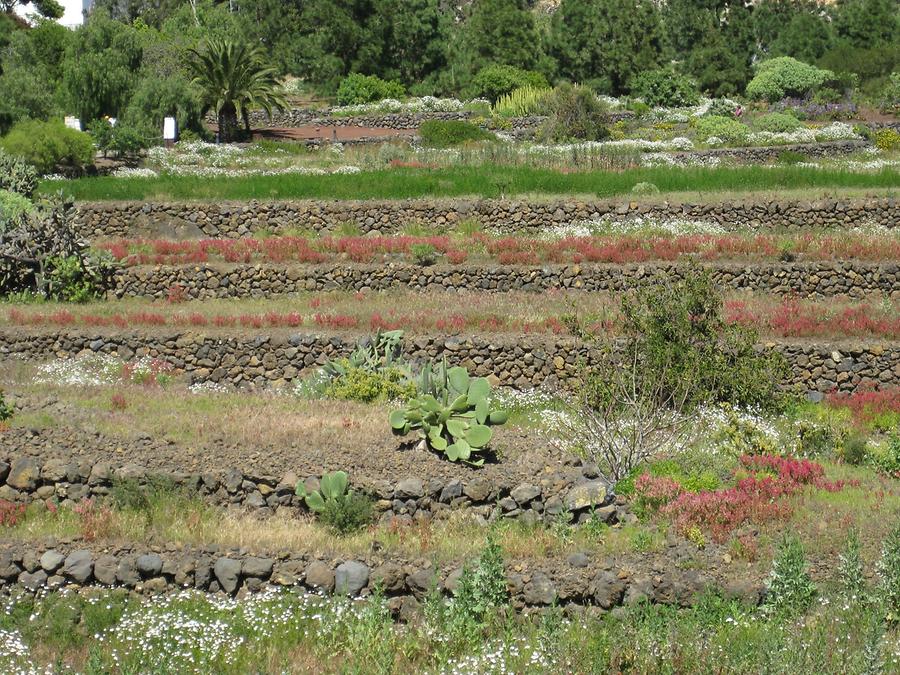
241, 219
279, 358
855, 279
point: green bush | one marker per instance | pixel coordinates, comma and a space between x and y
889, 571
790, 588
6, 410
121, 139
356, 384
645, 189
47, 145
887, 457
681, 334
728, 129
68, 281
495, 81
887, 139
339, 508
16, 175
722, 107
356, 89
573, 113
12, 205
664, 87
445, 134
855, 449
778, 123
785, 76
890, 97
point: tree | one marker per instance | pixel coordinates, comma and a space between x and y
48, 8
867, 23
233, 77
606, 41
99, 68
501, 32
721, 59
797, 28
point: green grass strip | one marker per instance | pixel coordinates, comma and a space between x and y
475, 181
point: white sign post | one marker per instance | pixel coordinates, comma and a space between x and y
170, 131
73, 122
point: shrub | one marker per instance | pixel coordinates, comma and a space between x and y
6, 410
728, 129
447, 133
356, 89
495, 81
573, 113
47, 145
778, 123
889, 571
11, 513
17, 176
120, 139
850, 569
339, 508
887, 139
424, 254
890, 99
887, 457
44, 254
854, 449
665, 87
722, 107
521, 102
12, 206
357, 384
790, 588
682, 336
459, 423
482, 587
645, 189
785, 76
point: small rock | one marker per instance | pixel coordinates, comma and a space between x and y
24, 474
411, 488
586, 494
524, 493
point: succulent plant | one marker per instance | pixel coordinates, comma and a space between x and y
458, 423
371, 355
332, 487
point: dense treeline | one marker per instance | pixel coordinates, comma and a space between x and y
131, 60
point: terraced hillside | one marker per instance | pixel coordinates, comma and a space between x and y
160, 433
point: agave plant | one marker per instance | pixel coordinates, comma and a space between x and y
234, 77
457, 424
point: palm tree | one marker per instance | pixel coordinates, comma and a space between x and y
234, 77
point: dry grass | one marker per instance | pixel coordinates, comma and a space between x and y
182, 520
174, 413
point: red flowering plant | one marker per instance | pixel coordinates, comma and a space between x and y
759, 495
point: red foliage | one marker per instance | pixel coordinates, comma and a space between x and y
11, 513
866, 404
753, 499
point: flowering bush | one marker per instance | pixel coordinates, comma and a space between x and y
755, 498
870, 407
94, 520
728, 129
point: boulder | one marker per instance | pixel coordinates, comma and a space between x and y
79, 566
228, 573
350, 577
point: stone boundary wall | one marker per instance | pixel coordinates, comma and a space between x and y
241, 219
767, 153
276, 359
486, 493
579, 583
297, 117
809, 280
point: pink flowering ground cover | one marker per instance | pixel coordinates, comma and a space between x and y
760, 495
